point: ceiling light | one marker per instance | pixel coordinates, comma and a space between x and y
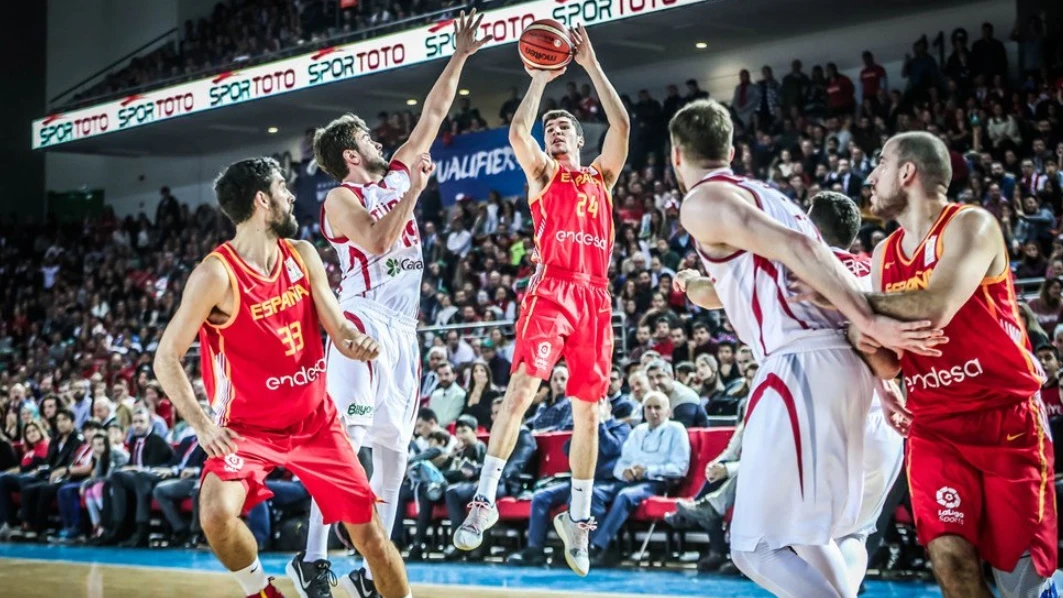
701, 45
463, 92
411, 102
272, 130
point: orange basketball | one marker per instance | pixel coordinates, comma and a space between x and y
545, 45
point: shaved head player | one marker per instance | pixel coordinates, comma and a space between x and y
258, 303
567, 310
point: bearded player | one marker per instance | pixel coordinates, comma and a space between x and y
980, 460
838, 220
258, 303
567, 309
369, 221
802, 451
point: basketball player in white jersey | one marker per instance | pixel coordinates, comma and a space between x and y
838, 219
368, 220
802, 451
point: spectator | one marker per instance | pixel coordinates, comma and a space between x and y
448, 399
68, 495
768, 109
620, 405
683, 402
459, 240
177, 481
612, 433
840, 100
729, 371
148, 450
794, 86
481, 394
694, 92
988, 56
959, 67
106, 458
921, 71
872, 77
672, 102
458, 351
654, 457
1048, 306
551, 409
35, 450
498, 365
746, 99
64, 455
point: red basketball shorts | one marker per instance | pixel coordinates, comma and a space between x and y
567, 314
316, 451
987, 476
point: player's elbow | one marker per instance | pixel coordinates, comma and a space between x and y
621, 123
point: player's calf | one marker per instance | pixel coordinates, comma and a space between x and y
957, 568
389, 574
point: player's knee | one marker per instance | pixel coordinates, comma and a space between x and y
369, 539
745, 562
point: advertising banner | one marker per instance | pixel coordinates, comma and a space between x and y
474, 164
328, 65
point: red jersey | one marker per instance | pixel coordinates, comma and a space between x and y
265, 367
987, 362
573, 219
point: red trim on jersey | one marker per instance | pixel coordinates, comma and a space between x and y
774, 382
361, 328
398, 165
761, 263
323, 226
356, 254
357, 190
720, 260
725, 177
758, 314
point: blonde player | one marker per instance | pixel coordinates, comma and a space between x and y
802, 451
368, 220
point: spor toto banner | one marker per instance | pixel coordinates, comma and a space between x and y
328, 65
477, 163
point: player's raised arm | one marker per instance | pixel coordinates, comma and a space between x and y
972, 250
347, 339
441, 96
699, 289
719, 214
615, 146
531, 157
207, 288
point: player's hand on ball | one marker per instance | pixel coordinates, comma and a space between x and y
682, 278
584, 52
545, 74
421, 170
215, 440
917, 337
358, 346
465, 42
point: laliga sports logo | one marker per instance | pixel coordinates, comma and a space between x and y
948, 497
542, 359
233, 463
581, 238
305, 375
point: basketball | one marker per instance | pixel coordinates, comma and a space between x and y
545, 45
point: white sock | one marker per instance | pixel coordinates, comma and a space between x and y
389, 469
580, 507
830, 562
782, 573
316, 535
489, 477
855, 553
252, 578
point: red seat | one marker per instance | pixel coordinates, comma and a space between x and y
439, 511
552, 457
705, 445
903, 516
510, 508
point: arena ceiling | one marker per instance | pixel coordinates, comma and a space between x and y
648, 40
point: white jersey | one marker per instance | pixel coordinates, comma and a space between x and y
754, 290
391, 279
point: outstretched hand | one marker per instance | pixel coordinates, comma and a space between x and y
584, 51
465, 42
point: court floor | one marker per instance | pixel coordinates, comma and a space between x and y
32, 571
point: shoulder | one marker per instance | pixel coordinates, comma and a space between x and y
212, 270
344, 194
972, 220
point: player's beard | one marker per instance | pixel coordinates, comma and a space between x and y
283, 223
888, 207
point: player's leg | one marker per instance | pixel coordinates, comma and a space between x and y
957, 568
389, 573
854, 550
782, 572
228, 536
830, 562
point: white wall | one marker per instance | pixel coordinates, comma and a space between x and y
132, 185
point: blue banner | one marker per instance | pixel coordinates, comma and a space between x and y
311, 187
474, 164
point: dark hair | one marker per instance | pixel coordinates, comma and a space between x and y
703, 131
467, 421
91, 424
237, 186
427, 415
555, 114
684, 367
699, 324
837, 218
1048, 347
439, 436
337, 137
929, 154
69, 414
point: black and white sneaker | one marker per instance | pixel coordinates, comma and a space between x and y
312, 580
357, 585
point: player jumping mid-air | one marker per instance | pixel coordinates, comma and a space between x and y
838, 220
258, 303
802, 451
567, 309
369, 221
980, 459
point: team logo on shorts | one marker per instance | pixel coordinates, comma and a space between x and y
948, 497
233, 463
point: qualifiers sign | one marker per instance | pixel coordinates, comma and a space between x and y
339, 63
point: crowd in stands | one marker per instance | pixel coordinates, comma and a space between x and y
85, 423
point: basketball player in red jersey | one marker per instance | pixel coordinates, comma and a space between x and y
980, 461
258, 303
567, 310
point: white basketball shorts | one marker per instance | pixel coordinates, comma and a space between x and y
802, 450
382, 394
883, 462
